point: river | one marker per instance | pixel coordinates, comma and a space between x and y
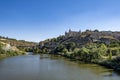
34, 67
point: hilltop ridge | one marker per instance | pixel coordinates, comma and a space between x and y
80, 39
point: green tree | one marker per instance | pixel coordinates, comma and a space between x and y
70, 45
64, 51
102, 49
84, 54
1, 50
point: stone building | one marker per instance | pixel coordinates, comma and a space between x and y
72, 33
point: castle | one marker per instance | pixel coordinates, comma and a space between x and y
72, 33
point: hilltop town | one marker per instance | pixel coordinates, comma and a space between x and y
82, 38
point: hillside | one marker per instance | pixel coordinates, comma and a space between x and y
80, 39
21, 44
8, 50
101, 47
12, 47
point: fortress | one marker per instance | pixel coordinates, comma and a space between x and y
72, 33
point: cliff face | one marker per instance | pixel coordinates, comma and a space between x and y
7, 47
8, 50
12, 47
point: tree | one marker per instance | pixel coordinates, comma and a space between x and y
76, 50
102, 49
1, 50
84, 54
70, 45
96, 30
36, 50
44, 51
94, 55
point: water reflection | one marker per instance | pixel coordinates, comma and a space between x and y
35, 67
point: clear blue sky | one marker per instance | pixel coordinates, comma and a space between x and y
36, 20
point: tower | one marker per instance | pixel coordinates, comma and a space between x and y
69, 30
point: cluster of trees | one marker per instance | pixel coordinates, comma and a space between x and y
92, 52
113, 63
100, 53
87, 53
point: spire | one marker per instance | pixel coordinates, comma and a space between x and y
69, 30
65, 32
80, 31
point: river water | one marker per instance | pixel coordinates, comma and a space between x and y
34, 67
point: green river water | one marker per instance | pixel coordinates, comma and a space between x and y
34, 67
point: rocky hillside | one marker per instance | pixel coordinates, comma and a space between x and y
8, 50
17, 43
13, 47
7, 47
80, 39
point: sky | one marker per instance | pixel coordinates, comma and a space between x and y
37, 20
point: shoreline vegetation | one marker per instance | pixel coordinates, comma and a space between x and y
11, 53
108, 63
98, 47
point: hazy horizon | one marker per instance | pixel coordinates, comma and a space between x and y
36, 20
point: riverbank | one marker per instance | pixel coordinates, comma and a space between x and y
2, 56
113, 64
8, 54
110, 64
